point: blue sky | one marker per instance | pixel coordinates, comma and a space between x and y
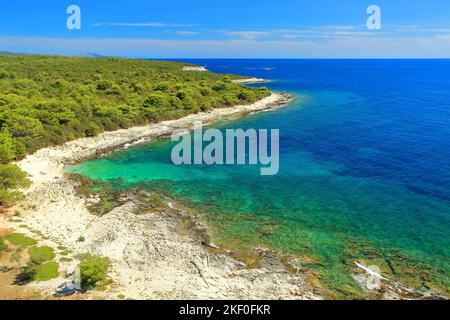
229, 29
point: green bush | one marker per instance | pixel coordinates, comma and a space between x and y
21, 126
92, 130
3, 74
157, 100
136, 87
103, 85
11, 177
8, 198
93, 271
244, 95
8, 147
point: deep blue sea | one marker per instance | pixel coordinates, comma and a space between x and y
364, 170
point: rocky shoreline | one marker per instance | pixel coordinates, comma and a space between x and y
153, 254
88, 148
251, 80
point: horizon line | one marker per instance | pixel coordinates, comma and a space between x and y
99, 56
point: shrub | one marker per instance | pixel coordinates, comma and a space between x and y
229, 100
115, 89
92, 130
162, 87
219, 86
11, 176
93, 270
157, 100
136, 87
103, 85
23, 126
3, 74
7, 197
7, 147
182, 94
243, 95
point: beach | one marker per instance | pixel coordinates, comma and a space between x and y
152, 255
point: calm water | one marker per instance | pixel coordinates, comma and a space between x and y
364, 170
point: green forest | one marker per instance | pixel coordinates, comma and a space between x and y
49, 100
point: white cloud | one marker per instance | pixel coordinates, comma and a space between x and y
434, 30
141, 24
249, 35
319, 32
416, 29
334, 28
187, 33
326, 33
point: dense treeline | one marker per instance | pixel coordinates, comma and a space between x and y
48, 100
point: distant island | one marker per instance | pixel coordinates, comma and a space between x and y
91, 55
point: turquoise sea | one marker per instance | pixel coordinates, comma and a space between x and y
364, 171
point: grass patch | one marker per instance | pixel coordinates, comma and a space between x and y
46, 271
41, 266
65, 259
64, 251
93, 272
18, 239
39, 255
103, 284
